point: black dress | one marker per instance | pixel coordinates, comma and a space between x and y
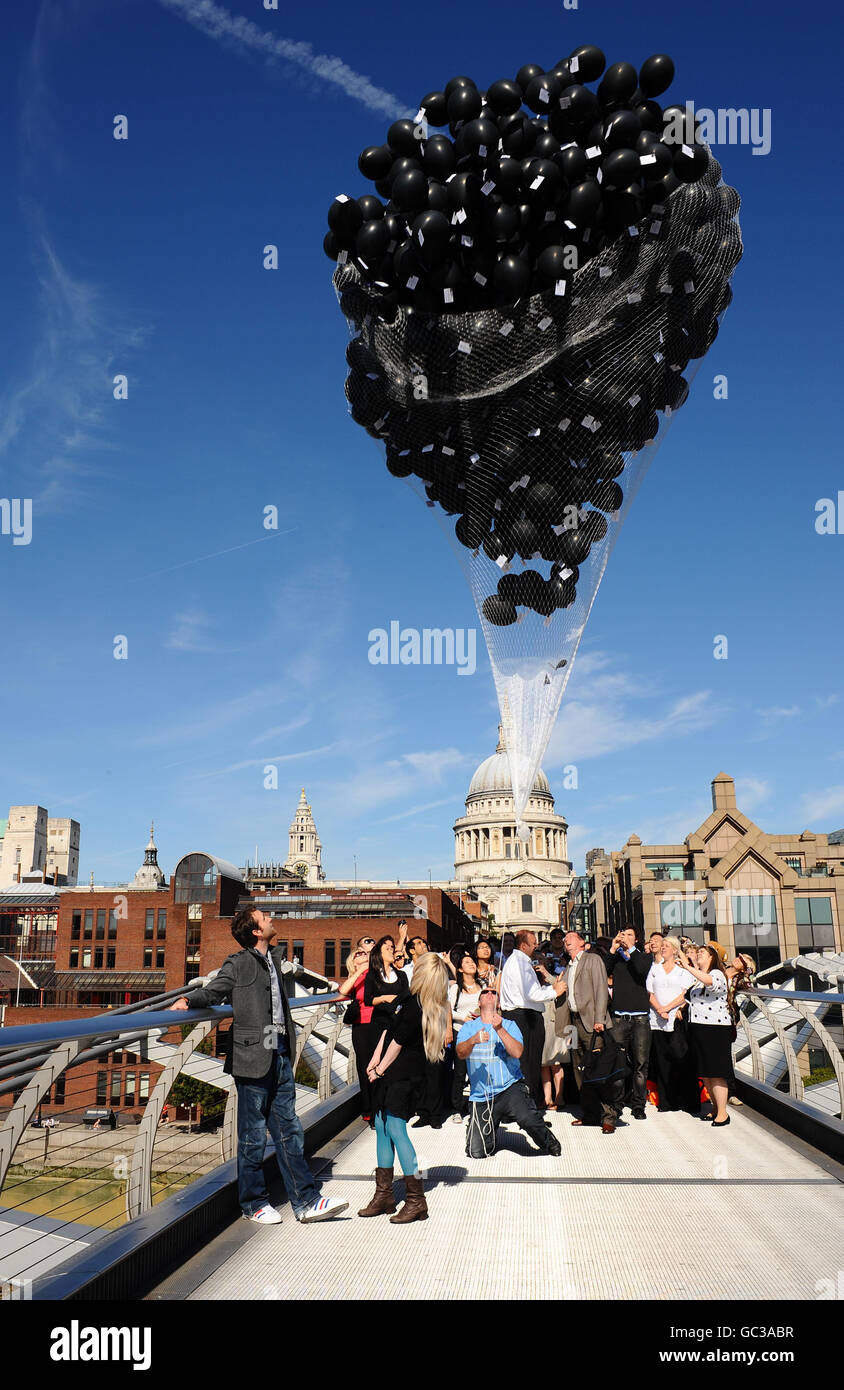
398, 1091
374, 986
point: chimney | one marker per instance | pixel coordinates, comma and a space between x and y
723, 793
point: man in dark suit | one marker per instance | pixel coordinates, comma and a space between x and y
587, 1010
263, 1042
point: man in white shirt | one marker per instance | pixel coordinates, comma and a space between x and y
523, 1001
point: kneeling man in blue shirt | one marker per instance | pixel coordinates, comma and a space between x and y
491, 1047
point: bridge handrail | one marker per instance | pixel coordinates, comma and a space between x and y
104, 1025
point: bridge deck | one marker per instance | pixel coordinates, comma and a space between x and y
665, 1209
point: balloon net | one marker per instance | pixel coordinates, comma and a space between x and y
531, 427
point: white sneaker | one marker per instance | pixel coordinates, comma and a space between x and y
265, 1216
323, 1209
457, 1119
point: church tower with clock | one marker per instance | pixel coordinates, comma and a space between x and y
305, 856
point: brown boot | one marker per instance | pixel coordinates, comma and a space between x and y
415, 1207
384, 1199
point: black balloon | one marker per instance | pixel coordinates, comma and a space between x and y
504, 97
401, 139
587, 63
376, 161
656, 74
617, 84
435, 108
464, 104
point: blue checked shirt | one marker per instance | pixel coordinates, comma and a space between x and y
490, 1067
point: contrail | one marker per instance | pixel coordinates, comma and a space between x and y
214, 553
219, 23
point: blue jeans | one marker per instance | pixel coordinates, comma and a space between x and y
269, 1103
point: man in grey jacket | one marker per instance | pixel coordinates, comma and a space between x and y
263, 1043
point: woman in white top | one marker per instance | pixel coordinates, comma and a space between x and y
667, 984
710, 1027
464, 997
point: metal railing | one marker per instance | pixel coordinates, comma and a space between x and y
67, 1181
777, 1029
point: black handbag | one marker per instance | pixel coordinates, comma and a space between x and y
678, 1046
607, 1063
352, 1014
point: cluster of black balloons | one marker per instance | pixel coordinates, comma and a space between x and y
513, 202
512, 378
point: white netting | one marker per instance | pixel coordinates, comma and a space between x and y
534, 425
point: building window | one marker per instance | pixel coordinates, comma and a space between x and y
195, 879
115, 1087
143, 1088
98, 958
755, 927
148, 958
527, 902
129, 1089
159, 958
794, 862
100, 923
86, 960
681, 914
74, 960
149, 924
282, 946
89, 923
162, 923
329, 959
814, 924
102, 1083
112, 924
58, 1090
76, 928
345, 952
110, 958
299, 951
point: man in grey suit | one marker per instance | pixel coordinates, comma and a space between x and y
587, 1010
263, 1043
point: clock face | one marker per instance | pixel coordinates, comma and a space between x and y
302, 870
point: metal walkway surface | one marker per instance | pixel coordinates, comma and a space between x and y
664, 1209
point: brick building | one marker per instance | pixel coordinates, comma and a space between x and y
125, 943
776, 896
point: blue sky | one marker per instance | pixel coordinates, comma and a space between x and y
144, 256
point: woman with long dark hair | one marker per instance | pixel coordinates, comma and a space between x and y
710, 1027
416, 1033
486, 964
464, 997
384, 986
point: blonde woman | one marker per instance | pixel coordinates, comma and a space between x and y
417, 1031
673, 1068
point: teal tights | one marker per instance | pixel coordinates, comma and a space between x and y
393, 1138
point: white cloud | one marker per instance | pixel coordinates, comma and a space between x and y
751, 792
418, 810
239, 33
823, 806
436, 763
187, 635
263, 762
54, 414
605, 724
